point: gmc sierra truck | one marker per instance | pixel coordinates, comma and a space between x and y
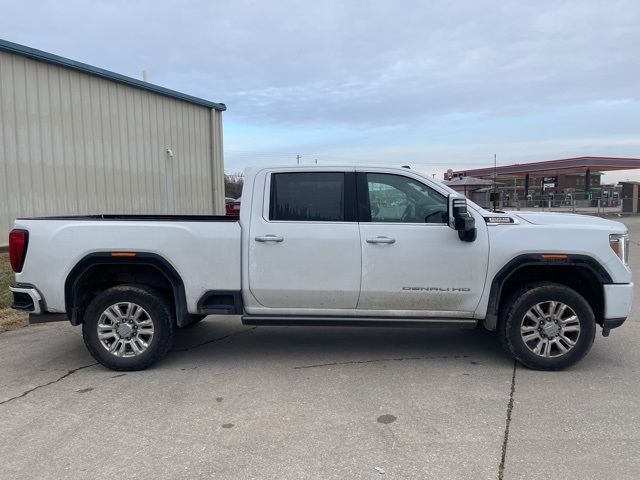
329, 246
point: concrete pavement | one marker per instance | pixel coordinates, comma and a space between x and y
235, 402
583, 423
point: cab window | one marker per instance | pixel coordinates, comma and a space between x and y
399, 199
308, 197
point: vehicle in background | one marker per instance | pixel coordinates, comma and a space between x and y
356, 246
232, 206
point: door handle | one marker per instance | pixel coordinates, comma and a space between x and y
381, 239
269, 238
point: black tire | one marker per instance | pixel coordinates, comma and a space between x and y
159, 312
512, 318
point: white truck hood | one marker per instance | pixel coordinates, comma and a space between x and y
552, 218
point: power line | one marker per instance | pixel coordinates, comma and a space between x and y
322, 157
282, 155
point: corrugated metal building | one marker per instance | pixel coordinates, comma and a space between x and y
76, 139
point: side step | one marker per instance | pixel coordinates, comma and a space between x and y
313, 321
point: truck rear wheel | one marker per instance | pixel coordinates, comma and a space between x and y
128, 327
547, 326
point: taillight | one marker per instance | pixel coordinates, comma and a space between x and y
18, 240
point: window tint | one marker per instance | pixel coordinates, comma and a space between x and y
398, 199
307, 196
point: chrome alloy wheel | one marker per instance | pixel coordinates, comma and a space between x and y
550, 329
125, 329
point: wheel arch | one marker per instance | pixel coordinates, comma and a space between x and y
579, 272
100, 270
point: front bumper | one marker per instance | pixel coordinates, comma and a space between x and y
617, 305
27, 298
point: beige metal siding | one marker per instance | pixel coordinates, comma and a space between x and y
72, 143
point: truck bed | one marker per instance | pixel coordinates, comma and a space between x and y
203, 249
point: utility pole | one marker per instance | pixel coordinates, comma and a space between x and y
298, 159
495, 185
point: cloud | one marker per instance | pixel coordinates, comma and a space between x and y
361, 63
436, 83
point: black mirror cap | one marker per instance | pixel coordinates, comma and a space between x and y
467, 235
466, 226
463, 221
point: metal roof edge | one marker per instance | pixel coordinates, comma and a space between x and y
42, 56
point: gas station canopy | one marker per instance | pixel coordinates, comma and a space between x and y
578, 164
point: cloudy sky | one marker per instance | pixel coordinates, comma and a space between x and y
434, 84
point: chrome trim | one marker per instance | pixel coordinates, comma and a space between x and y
269, 238
381, 239
35, 297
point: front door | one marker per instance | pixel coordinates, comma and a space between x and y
411, 260
304, 248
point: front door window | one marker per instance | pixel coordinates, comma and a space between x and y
399, 199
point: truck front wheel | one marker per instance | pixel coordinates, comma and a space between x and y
128, 327
547, 326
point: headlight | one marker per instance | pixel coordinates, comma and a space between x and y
619, 243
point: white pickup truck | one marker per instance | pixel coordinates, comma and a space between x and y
329, 246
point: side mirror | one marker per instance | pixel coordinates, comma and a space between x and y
461, 220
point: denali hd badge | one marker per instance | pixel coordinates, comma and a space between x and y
498, 220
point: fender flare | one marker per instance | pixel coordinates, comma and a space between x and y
154, 260
537, 259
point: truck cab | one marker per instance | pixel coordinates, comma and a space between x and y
357, 243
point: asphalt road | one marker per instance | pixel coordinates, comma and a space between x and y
234, 402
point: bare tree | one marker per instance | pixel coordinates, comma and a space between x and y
233, 185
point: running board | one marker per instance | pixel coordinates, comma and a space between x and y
312, 321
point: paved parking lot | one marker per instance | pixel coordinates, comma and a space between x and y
319, 403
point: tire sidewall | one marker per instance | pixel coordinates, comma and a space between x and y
158, 311
544, 293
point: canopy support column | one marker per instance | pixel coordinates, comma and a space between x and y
587, 183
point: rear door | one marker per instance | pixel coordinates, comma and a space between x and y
304, 247
411, 259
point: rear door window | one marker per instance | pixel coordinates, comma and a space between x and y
308, 197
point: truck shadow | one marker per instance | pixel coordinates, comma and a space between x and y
307, 347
